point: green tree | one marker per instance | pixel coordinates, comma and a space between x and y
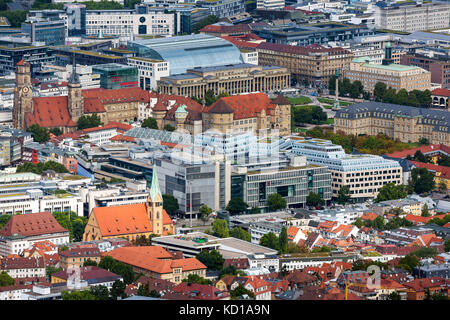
228, 271
100, 292
283, 240
425, 211
131, 3
447, 246
92, 121
321, 249
170, 204
424, 141
6, 280
293, 248
276, 202
422, 180
102, 5
168, 127
4, 218
149, 123
359, 222
205, 211
77, 295
212, 259
39, 134
314, 200
408, 262
220, 228
390, 191
356, 89
394, 295
425, 252
343, 195
270, 240
379, 91
15, 17
332, 85
195, 278
211, 19
107, 263
236, 205
240, 233
378, 223
64, 220
118, 290
89, 262
239, 291
56, 131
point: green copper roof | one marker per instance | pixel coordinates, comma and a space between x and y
181, 109
154, 188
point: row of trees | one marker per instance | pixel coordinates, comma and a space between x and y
152, 124
379, 224
210, 98
414, 98
70, 221
347, 88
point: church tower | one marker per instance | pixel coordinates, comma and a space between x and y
155, 205
75, 101
23, 95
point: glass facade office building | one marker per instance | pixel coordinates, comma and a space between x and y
188, 52
51, 33
116, 76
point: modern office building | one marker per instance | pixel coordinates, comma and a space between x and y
188, 52
407, 124
393, 75
116, 76
51, 33
313, 63
223, 8
319, 33
195, 180
127, 23
35, 55
76, 19
412, 16
232, 79
289, 175
150, 71
363, 174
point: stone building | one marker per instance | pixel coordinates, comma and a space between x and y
407, 124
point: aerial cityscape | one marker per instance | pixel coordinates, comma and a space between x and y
235, 150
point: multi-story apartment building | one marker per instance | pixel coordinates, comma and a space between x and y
150, 71
433, 60
395, 76
17, 267
412, 16
363, 174
128, 23
313, 63
232, 79
76, 257
270, 4
407, 124
291, 177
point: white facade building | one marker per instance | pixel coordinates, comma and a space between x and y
150, 71
250, 57
270, 4
127, 23
410, 17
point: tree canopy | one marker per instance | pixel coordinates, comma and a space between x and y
391, 191
92, 121
270, 240
6, 279
313, 200
170, 204
195, 278
77, 295
236, 205
240, 233
39, 134
211, 19
220, 228
343, 195
212, 259
41, 167
421, 180
149, 123
276, 202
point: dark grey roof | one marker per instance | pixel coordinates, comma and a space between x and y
404, 163
439, 118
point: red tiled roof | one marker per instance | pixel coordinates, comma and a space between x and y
444, 171
121, 137
93, 105
441, 92
369, 216
50, 112
226, 29
22, 63
195, 291
121, 127
424, 149
32, 224
244, 106
16, 262
90, 273
80, 252
419, 285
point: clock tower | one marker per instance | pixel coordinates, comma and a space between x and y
23, 95
75, 100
